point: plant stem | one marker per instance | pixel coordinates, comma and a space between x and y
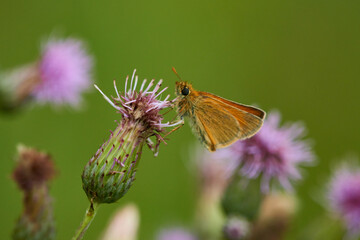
89, 216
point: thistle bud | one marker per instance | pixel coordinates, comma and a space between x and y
111, 171
32, 173
242, 197
275, 215
236, 228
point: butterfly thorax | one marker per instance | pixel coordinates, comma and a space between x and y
186, 99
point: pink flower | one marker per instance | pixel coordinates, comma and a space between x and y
275, 153
344, 196
59, 77
64, 71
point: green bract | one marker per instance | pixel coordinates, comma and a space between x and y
111, 171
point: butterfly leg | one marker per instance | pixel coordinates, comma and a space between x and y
154, 146
170, 109
179, 123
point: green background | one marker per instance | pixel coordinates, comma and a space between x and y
300, 57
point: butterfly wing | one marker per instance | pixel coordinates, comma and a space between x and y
253, 110
219, 124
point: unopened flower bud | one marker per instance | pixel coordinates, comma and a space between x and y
236, 228
242, 197
32, 173
275, 215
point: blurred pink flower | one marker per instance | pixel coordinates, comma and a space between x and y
344, 196
65, 72
176, 234
59, 77
274, 153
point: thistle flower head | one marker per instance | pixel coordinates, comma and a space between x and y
59, 77
110, 173
65, 72
344, 196
274, 152
141, 106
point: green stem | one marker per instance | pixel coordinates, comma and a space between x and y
89, 216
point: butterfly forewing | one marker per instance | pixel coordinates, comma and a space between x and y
250, 123
216, 126
221, 124
255, 111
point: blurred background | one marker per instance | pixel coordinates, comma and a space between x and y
300, 57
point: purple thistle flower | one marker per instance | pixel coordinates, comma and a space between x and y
59, 77
141, 109
65, 72
344, 196
111, 171
175, 234
274, 152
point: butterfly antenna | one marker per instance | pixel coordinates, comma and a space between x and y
174, 70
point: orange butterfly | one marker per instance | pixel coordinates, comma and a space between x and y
216, 121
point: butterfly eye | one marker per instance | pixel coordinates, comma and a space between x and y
185, 91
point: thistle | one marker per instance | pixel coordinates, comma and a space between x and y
111, 171
275, 153
214, 171
58, 77
344, 197
32, 174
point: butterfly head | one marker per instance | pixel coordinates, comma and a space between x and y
183, 89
